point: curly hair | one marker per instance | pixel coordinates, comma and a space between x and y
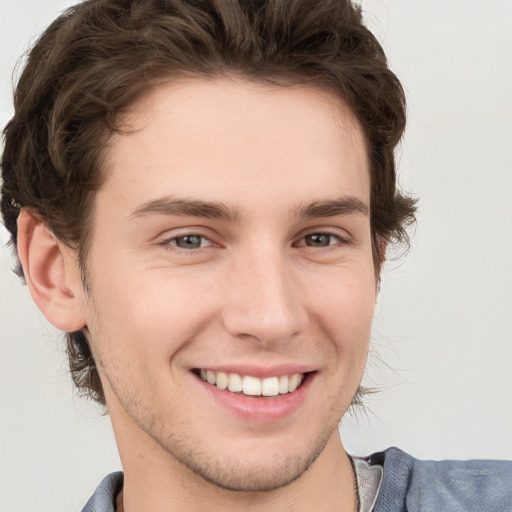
97, 57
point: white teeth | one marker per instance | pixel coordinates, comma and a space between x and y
235, 383
283, 384
292, 385
270, 386
210, 377
222, 380
252, 386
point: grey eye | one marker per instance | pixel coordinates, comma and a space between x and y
188, 241
319, 239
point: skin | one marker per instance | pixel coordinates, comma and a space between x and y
258, 290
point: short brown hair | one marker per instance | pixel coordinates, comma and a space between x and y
95, 59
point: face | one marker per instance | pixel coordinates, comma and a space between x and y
231, 278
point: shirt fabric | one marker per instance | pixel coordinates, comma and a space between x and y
407, 485
368, 482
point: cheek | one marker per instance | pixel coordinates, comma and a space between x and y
345, 311
146, 318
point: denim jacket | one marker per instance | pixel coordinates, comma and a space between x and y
408, 485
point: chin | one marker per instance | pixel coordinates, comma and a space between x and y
243, 476
254, 469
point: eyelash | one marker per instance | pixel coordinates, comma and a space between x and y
171, 243
174, 246
339, 240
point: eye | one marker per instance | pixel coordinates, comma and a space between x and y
320, 240
189, 242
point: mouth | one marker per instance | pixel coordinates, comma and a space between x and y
251, 386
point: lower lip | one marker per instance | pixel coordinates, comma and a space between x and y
260, 409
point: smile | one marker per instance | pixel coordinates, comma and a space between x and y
253, 386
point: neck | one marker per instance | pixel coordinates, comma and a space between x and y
153, 486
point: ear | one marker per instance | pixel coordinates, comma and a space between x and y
51, 272
380, 246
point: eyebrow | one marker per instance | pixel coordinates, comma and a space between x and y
343, 206
187, 208
216, 210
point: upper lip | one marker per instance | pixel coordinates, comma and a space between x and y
258, 370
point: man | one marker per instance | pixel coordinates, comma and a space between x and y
201, 195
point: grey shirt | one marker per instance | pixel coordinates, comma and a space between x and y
407, 485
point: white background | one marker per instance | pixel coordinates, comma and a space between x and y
442, 337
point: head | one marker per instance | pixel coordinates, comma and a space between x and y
103, 62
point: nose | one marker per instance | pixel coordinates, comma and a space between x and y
264, 302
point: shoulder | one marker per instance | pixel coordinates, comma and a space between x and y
414, 485
104, 497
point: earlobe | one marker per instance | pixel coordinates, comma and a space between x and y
51, 274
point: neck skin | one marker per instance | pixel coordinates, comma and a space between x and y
156, 481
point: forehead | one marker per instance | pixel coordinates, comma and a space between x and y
239, 138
